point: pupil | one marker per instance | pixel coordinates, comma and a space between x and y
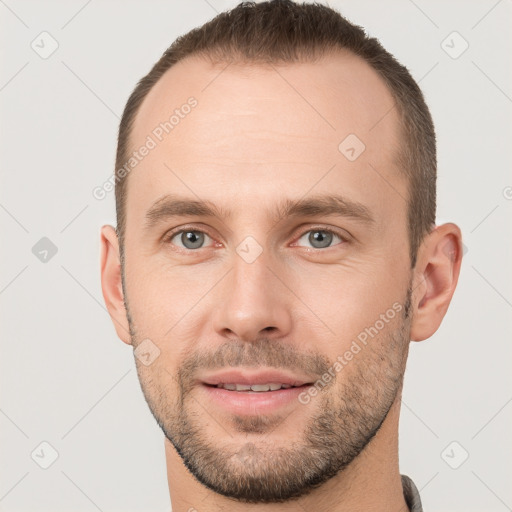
191, 240
323, 237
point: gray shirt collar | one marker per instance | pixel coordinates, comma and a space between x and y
411, 495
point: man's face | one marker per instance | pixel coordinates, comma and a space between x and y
255, 290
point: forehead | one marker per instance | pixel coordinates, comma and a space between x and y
262, 129
336, 93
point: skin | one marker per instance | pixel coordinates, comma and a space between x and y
259, 135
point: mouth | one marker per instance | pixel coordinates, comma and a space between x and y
254, 393
257, 388
262, 380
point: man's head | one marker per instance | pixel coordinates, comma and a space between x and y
288, 134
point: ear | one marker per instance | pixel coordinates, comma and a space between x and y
435, 277
111, 284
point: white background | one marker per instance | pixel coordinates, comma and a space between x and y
66, 379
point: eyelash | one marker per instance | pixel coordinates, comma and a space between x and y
344, 239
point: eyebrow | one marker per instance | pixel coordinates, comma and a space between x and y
170, 206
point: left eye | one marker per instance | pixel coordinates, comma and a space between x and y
320, 238
190, 239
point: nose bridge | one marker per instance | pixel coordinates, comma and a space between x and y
250, 276
252, 298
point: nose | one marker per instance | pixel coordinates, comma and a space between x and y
253, 302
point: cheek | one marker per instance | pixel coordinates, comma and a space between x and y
161, 296
346, 297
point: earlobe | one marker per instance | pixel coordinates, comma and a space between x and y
111, 284
436, 275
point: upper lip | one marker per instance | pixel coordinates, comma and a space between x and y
267, 376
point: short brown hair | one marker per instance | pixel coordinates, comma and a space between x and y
282, 31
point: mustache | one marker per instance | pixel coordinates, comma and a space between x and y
263, 352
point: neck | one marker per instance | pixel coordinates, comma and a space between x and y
372, 482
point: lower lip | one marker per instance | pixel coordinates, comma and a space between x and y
253, 403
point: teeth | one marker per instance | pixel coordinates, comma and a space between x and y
240, 387
254, 387
260, 387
